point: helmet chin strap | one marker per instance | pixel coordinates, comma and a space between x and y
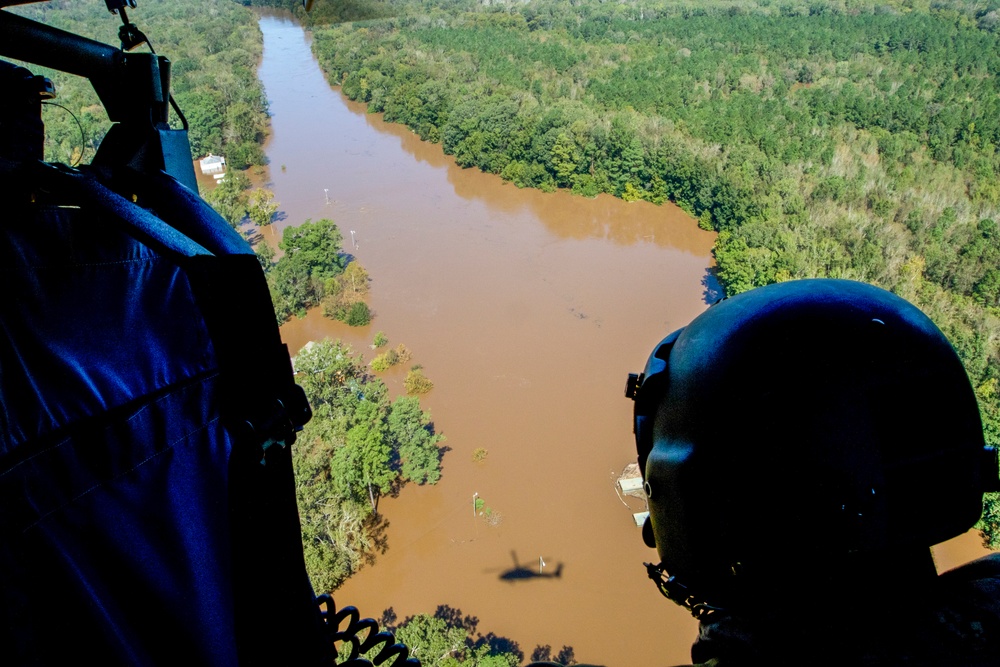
678, 593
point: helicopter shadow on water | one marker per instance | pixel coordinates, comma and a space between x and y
525, 571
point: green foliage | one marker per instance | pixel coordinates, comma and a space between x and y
380, 340
265, 255
261, 207
417, 383
384, 361
705, 221
317, 245
358, 315
361, 467
432, 639
990, 521
338, 538
449, 639
338, 533
416, 442
479, 454
357, 447
390, 358
325, 12
229, 197
312, 260
344, 296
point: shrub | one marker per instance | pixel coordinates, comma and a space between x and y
358, 315
479, 454
380, 363
705, 221
385, 361
332, 309
417, 383
403, 354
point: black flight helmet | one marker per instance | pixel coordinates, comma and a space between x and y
804, 421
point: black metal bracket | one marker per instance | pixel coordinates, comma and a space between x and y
133, 87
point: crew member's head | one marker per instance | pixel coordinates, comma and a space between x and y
801, 426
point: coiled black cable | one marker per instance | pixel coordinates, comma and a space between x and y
391, 653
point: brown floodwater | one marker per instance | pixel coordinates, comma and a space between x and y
526, 310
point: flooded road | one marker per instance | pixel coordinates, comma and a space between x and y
526, 310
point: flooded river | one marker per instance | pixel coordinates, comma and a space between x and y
526, 310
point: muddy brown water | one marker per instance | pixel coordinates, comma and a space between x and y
526, 310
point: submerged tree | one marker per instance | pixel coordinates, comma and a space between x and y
419, 453
312, 259
229, 197
362, 465
416, 382
357, 447
261, 207
449, 639
318, 246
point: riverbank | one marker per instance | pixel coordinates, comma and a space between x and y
527, 309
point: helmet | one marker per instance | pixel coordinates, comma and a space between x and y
804, 421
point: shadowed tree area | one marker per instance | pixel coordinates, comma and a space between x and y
448, 638
565, 656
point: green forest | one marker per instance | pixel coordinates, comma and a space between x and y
447, 638
848, 139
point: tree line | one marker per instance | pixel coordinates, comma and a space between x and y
842, 139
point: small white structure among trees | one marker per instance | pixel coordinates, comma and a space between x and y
213, 164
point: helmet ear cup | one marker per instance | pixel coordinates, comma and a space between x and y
647, 390
647, 534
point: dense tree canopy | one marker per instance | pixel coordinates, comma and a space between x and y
449, 639
358, 446
314, 271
